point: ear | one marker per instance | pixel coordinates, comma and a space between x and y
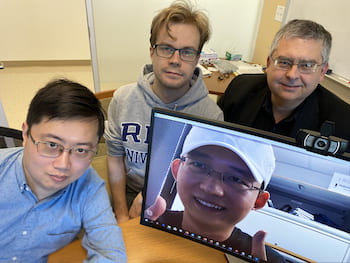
269, 64
24, 132
175, 164
261, 200
197, 60
151, 51
323, 72
268, 61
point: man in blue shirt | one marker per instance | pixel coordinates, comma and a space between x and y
48, 191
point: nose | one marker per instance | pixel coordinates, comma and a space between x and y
213, 184
62, 162
175, 58
293, 72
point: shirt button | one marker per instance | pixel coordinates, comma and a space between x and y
24, 233
14, 258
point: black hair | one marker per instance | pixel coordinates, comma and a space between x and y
65, 99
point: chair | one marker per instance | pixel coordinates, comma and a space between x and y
10, 137
105, 98
99, 162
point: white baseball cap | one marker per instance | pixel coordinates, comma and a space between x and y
258, 156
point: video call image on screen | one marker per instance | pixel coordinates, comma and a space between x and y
206, 174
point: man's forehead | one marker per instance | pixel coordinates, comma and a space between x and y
299, 48
174, 34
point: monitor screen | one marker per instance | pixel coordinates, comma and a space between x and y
219, 184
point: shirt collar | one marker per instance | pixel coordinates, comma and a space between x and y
267, 106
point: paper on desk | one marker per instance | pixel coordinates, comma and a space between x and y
247, 68
205, 72
212, 69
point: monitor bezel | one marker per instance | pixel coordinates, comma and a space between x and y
224, 125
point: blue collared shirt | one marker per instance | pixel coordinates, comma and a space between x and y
30, 229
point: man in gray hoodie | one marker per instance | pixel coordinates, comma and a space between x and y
172, 81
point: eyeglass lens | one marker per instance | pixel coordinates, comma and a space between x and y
186, 54
303, 67
201, 169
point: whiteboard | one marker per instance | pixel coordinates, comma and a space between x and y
334, 16
120, 31
43, 30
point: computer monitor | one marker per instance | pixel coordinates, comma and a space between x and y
307, 217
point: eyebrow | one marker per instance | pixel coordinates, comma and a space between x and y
165, 44
52, 136
299, 60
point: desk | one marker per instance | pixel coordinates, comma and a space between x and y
148, 245
215, 85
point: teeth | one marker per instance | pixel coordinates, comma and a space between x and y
210, 205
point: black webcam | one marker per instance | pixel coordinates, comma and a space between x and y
322, 142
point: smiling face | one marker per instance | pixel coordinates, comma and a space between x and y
173, 75
47, 175
291, 87
212, 207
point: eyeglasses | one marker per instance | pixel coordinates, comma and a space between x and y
53, 150
186, 54
201, 169
286, 64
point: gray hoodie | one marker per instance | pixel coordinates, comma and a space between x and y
129, 117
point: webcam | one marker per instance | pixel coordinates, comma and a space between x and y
322, 142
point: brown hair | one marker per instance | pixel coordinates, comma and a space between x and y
181, 12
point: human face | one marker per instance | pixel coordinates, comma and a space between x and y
210, 205
290, 87
173, 75
47, 175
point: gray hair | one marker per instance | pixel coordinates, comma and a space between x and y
305, 29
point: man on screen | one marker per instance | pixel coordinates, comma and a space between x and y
220, 178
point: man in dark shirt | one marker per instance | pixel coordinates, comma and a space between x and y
289, 97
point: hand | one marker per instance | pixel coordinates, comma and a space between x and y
135, 209
258, 245
157, 209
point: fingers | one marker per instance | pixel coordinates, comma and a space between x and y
258, 245
157, 209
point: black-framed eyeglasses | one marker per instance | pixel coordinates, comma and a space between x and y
200, 168
53, 150
186, 54
304, 67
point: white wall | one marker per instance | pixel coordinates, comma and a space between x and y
334, 16
43, 30
122, 30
